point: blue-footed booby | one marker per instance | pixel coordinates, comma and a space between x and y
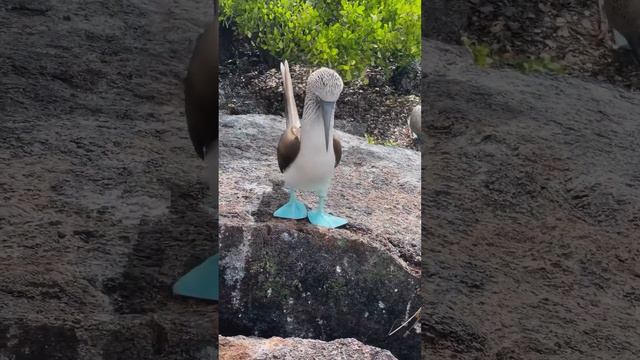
415, 121
201, 109
308, 150
623, 17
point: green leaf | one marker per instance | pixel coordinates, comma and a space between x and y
348, 34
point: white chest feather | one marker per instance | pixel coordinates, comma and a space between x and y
314, 165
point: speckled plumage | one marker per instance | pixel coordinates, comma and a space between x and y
298, 158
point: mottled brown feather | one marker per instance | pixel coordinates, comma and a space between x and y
288, 147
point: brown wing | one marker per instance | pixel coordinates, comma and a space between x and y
337, 150
288, 148
201, 91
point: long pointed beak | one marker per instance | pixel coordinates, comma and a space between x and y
327, 114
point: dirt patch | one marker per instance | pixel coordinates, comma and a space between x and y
567, 31
102, 204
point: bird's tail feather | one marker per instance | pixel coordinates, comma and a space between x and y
289, 101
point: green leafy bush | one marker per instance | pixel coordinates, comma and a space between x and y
349, 36
373, 141
483, 56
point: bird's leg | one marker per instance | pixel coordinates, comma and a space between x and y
318, 217
293, 209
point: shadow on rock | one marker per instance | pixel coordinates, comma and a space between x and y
165, 249
39, 342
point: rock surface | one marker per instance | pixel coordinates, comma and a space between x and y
291, 279
532, 213
101, 206
251, 348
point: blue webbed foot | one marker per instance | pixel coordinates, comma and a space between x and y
293, 209
321, 218
201, 282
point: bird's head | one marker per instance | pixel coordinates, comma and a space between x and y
325, 85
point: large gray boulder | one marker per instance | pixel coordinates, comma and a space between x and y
101, 205
531, 193
291, 279
252, 348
